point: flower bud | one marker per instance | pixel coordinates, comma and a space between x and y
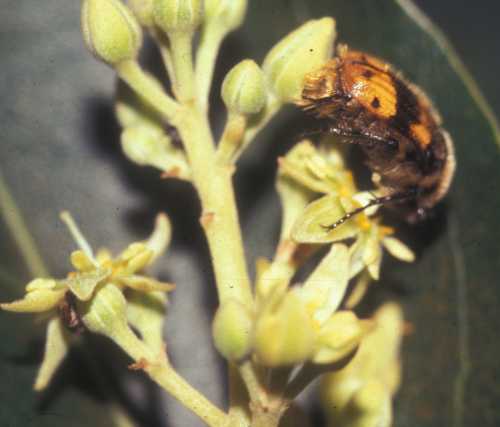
149, 146
299, 53
143, 10
178, 15
284, 333
244, 89
143, 145
232, 330
228, 13
110, 30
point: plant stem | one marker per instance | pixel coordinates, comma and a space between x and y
148, 88
182, 61
232, 138
219, 214
161, 371
179, 388
16, 225
206, 56
263, 118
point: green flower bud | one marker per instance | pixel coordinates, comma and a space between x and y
299, 53
178, 15
232, 330
244, 89
229, 13
110, 30
284, 332
143, 10
148, 146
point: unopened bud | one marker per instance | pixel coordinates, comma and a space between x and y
110, 30
244, 89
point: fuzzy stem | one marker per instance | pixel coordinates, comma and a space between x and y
161, 371
232, 138
179, 388
148, 88
219, 214
166, 56
259, 122
182, 61
206, 57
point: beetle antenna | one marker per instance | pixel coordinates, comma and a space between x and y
377, 201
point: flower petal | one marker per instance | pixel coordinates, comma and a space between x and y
82, 285
81, 261
38, 284
284, 332
56, 348
338, 337
325, 288
312, 225
146, 284
36, 301
398, 249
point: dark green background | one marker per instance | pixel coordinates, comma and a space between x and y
60, 151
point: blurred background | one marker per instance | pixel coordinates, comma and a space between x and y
60, 150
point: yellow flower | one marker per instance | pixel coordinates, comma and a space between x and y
321, 170
67, 300
303, 324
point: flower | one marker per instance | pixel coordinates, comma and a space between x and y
68, 300
303, 324
321, 170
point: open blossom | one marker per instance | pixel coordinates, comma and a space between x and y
322, 171
64, 299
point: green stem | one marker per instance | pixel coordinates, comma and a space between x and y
238, 398
162, 43
206, 57
22, 237
182, 61
179, 388
272, 107
219, 213
232, 138
148, 88
161, 371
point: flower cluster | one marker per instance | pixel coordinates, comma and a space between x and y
92, 296
291, 332
312, 323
